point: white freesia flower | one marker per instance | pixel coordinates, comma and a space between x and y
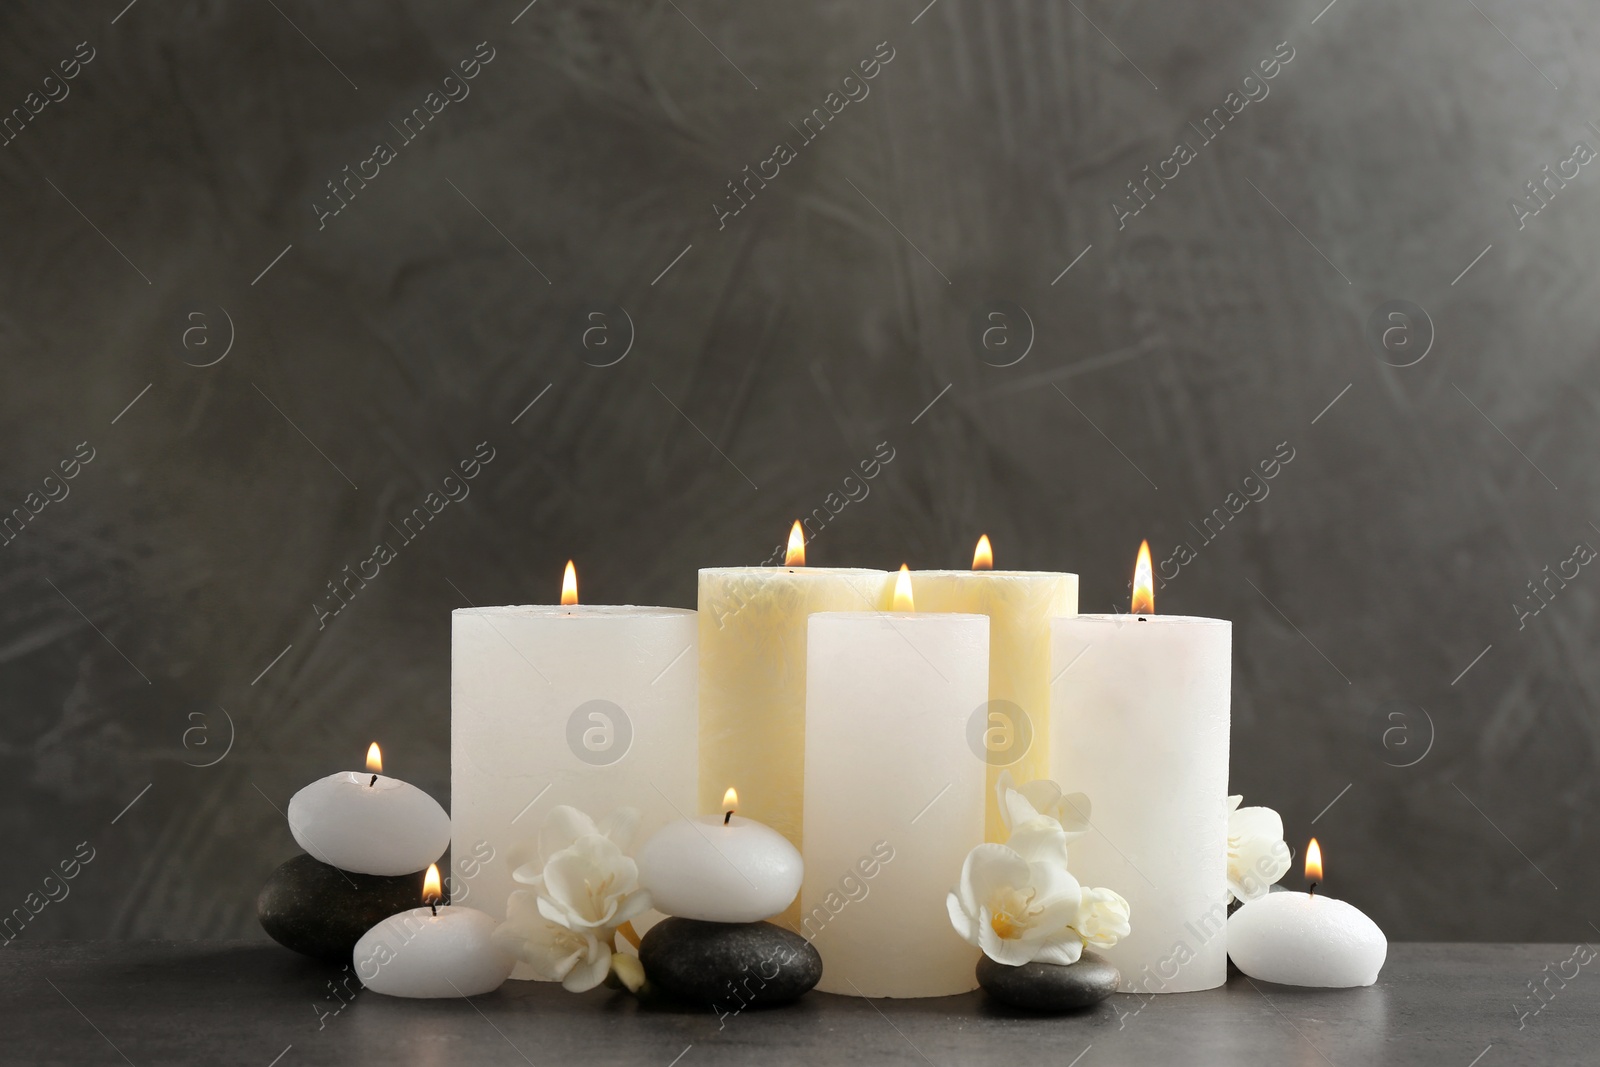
579, 961
1040, 819
1015, 910
1102, 918
1257, 854
583, 888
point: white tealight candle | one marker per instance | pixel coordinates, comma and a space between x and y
1306, 939
369, 823
432, 951
720, 868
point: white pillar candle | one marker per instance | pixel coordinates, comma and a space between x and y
369, 823
720, 868
753, 679
590, 706
894, 797
444, 951
1311, 940
1020, 605
1140, 722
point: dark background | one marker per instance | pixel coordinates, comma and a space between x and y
1175, 355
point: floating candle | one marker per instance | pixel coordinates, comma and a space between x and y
721, 868
369, 823
432, 951
1306, 939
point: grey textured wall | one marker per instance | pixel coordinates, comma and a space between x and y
165, 206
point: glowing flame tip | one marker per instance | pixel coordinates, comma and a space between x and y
1313, 861
730, 800
796, 556
431, 893
1144, 591
374, 758
983, 555
902, 590
569, 585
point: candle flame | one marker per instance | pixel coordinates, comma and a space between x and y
730, 800
796, 556
431, 893
1313, 861
375, 758
902, 590
1144, 585
569, 585
983, 555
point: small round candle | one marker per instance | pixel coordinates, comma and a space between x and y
432, 951
720, 868
1306, 939
369, 823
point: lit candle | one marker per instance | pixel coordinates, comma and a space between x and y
1140, 721
432, 951
753, 676
721, 868
369, 823
1015, 728
894, 797
1306, 939
591, 706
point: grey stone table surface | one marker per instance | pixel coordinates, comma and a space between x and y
255, 1004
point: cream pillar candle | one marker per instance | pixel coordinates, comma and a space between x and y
894, 797
1140, 719
587, 705
1020, 605
753, 677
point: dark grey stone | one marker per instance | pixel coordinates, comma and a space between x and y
1050, 987
321, 911
730, 966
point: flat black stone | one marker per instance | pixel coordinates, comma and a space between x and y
729, 966
1050, 987
321, 911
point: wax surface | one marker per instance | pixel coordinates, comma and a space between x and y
419, 954
1140, 717
589, 705
349, 822
1296, 939
1020, 605
740, 872
894, 798
753, 680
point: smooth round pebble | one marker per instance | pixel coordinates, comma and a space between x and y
1050, 987
729, 966
385, 827
321, 911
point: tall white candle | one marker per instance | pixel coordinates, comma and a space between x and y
894, 797
753, 678
1020, 605
591, 706
1140, 723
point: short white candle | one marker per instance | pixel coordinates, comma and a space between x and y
1306, 938
440, 951
720, 868
1140, 709
369, 823
893, 789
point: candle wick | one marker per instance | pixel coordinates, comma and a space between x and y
434, 904
373, 782
727, 817
1143, 619
1313, 890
